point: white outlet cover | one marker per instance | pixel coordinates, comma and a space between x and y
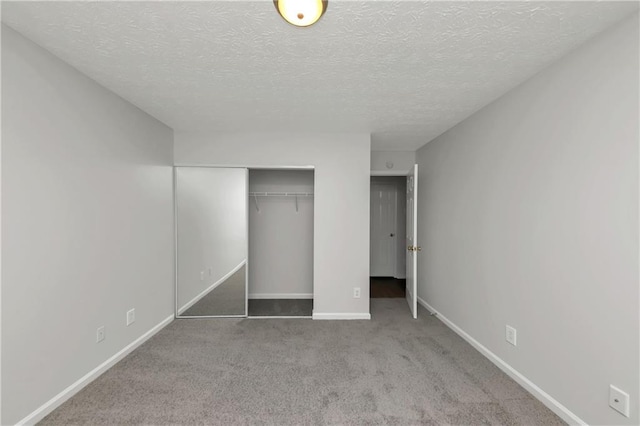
100, 334
131, 317
511, 335
619, 400
356, 292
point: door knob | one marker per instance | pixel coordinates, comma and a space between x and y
410, 248
418, 248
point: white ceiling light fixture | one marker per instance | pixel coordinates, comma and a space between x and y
301, 13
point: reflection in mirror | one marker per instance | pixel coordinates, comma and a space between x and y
211, 249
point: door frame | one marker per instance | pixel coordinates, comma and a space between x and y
404, 174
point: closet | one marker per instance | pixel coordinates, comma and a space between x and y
244, 242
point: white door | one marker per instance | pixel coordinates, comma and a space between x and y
382, 255
412, 241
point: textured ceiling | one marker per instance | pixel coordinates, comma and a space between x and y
403, 71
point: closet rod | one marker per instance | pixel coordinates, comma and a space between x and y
281, 194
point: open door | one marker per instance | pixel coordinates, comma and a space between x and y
412, 241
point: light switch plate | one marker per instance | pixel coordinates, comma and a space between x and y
619, 400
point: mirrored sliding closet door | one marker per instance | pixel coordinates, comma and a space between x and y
211, 241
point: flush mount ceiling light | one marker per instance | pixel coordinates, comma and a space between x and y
301, 13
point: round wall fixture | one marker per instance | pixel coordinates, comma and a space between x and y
389, 164
301, 13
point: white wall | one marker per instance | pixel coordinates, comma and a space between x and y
281, 238
86, 224
528, 216
211, 208
401, 162
341, 216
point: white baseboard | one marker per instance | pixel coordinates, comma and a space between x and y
210, 288
280, 317
324, 316
563, 412
280, 295
60, 398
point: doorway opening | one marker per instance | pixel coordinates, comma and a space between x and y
393, 249
387, 235
280, 243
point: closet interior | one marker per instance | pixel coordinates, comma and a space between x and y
281, 243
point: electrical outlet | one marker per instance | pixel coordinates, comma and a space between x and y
131, 317
100, 334
201, 275
619, 400
356, 292
511, 335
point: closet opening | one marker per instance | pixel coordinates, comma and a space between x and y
388, 237
280, 261
244, 242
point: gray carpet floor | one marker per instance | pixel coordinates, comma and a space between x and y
226, 299
390, 370
280, 307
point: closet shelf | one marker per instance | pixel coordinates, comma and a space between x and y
255, 196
